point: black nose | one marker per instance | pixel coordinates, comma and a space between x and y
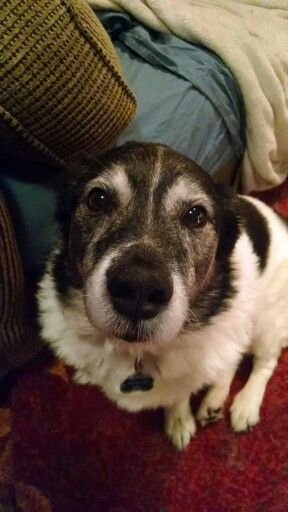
139, 285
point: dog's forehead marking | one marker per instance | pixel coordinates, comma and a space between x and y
186, 190
116, 178
155, 178
119, 180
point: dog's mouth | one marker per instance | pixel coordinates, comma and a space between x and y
144, 332
131, 335
120, 330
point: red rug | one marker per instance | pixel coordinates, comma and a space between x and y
71, 450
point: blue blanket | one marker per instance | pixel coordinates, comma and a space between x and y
187, 98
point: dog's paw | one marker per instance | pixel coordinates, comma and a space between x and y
180, 430
209, 414
244, 412
211, 407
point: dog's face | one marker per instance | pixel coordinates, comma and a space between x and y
143, 237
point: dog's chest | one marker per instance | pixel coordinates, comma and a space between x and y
174, 371
159, 381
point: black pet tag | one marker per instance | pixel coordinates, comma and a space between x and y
139, 381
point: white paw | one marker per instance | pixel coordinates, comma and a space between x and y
180, 430
244, 412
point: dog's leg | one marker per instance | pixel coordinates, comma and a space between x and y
270, 336
211, 407
245, 408
180, 424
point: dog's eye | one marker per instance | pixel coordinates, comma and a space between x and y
195, 217
99, 200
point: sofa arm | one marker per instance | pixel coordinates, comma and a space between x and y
18, 340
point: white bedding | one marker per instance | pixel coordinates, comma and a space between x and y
251, 37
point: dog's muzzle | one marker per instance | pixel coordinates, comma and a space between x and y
139, 284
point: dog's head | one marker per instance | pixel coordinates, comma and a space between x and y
144, 235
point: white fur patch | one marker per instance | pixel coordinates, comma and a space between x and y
184, 191
156, 177
115, 178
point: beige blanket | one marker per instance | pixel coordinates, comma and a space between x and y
252, 39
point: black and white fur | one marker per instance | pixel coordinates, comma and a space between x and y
228, 282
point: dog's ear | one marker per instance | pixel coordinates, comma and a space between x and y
66, 199
68, 191
229, 224
77, 169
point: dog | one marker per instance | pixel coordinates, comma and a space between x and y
161, 282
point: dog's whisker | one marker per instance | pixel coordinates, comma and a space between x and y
194, 315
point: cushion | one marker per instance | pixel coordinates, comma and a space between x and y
62, 88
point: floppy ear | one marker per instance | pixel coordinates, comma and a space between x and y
77, 169
65, 203
68, 192
229, 222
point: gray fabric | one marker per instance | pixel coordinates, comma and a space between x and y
187, 98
